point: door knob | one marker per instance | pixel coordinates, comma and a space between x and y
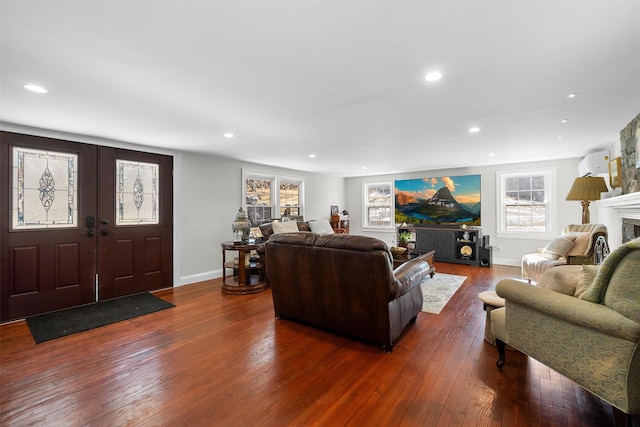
105, 221
90, 232
104, 232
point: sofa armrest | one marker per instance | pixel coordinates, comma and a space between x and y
570, 309
408, 275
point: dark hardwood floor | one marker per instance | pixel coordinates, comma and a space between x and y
224, 360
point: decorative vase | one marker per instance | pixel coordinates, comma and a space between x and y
241, 227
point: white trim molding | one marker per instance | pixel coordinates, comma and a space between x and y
612, 211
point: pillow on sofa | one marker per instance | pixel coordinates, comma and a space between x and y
563, 279
581, 242
587, 276
558, 247
285, 227
569, 279
321, 227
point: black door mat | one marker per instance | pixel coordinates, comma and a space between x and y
49, 326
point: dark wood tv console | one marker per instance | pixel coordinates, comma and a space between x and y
452, 244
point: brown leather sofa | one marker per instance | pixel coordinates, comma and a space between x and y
345, 284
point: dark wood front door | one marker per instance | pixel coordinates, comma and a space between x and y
74, 229
48, 258
135, 251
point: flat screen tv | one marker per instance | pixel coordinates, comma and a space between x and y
446, 200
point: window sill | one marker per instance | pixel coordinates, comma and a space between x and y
528, 236
379, 229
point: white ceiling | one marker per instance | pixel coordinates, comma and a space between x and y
341, 79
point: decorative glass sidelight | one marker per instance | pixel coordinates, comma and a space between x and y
45, 189
137, 193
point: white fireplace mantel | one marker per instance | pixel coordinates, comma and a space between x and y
611, 212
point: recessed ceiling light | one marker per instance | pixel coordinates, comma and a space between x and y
312, 155
560, 137
572, 95
474, 129
564, 120
364, 167
433, 76
492, 154
228, 135
35, 88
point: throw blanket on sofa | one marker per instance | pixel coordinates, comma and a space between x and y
596, 291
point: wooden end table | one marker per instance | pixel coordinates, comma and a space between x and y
250, 279
425, 256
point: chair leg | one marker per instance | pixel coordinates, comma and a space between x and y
620, 419
500, 345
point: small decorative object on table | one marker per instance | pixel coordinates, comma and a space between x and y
404, 237
241, 227
397, 252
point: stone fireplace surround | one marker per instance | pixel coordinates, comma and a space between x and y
618, 213
630, 229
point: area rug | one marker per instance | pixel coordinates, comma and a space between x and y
49, 326
438, 290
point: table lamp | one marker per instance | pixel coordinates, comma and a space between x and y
585, 189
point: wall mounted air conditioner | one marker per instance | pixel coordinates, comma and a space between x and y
594, 163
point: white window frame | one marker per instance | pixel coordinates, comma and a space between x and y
291, 180
549, 174
366, 206
275, 188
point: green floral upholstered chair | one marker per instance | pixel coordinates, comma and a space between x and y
582, 321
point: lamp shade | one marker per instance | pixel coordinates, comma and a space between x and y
587, 188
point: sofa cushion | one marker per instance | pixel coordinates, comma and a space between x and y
587, 276
297, 239
569, 279
321, 226
558, 247
563, 279
623, 291
284, 227
353, 243
623, 265
581, 243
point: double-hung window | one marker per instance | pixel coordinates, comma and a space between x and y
289, 197
378, 205
258, 196
268, 196
524, 200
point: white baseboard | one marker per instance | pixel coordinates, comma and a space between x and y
200, 277
507, 261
